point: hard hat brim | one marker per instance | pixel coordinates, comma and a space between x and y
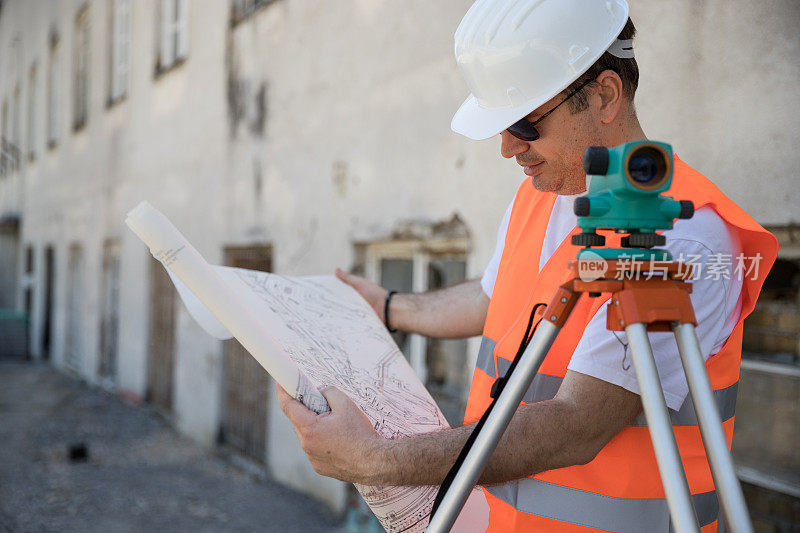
479, 123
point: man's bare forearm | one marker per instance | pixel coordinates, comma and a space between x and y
454, 312
567, 430
539, 438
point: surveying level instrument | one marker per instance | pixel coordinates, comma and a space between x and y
624, 196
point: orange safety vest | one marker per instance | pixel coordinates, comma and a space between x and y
620, 489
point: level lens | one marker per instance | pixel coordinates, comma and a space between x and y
644, 165
648, 167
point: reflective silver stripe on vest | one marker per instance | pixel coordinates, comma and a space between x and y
589, 509
486, 357
545, 387
685, 416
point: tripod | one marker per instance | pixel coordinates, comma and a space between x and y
636, 306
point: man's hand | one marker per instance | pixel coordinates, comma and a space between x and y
567, 430
375, 295
341, 443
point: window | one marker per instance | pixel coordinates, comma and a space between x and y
174, 34
772, 331
241, 9
53, 91
32, 101
9, 131
15, 129
415, 266
16, 135
4, 121
81, 92
120, 49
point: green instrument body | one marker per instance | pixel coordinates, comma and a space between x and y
627, 199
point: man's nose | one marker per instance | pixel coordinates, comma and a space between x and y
510, 146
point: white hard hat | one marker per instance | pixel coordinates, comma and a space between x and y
516, 55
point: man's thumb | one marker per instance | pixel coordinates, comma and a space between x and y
336, 398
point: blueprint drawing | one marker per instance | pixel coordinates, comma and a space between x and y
335, 338
309, 333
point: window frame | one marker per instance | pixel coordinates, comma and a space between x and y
420, 252
81, 69
16, 129
5, 165
53, 91
241, 10
774, 315
120, 50
33, 93
173, 34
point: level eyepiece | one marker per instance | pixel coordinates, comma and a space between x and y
595, 160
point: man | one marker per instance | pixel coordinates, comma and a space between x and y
551, 78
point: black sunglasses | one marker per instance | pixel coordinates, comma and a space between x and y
525, 130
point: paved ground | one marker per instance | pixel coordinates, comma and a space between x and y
139, 476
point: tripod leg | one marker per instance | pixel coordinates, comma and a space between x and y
655, 409
495, 426
716, 445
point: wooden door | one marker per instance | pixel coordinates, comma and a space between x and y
74, 341
245, 383
47, 309
109, 311
161, 353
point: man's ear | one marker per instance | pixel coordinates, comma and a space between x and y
610, 95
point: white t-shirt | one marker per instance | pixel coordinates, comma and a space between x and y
604, 354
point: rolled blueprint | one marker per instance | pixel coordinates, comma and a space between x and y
169, 246
310, 332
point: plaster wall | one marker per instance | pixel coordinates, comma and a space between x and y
719, 81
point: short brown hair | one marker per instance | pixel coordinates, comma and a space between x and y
627, 69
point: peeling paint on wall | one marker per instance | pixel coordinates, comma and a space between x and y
259, 117
340, 177
235, 106
246, 98
257, 180
451, 228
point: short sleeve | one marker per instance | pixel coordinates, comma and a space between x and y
605, 354
490, 273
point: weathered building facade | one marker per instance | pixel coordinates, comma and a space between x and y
297, 136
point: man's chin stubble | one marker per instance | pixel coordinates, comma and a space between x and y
543, 184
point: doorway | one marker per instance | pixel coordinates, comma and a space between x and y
47, 309
161, 352
246, 384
